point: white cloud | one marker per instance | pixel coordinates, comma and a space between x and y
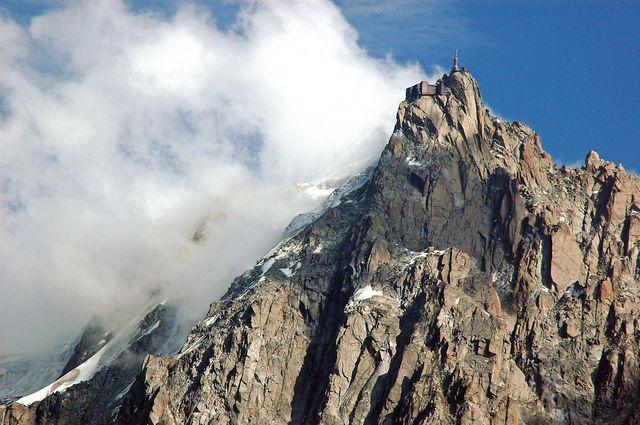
122, 132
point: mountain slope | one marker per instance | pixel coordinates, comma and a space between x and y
102, 367
467, 280
470, 281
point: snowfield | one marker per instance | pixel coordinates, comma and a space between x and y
124, 337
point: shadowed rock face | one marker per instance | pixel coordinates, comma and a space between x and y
468, 281
96, 401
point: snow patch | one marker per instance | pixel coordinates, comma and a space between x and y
315, 191
126, 335
334, 199
192, 347
81, 373
363, 294
299, 222
288, 271
412, 161
350, 186
318, 249
148, 331
211, 320
283, 250
366, 293
415, 256
266, 266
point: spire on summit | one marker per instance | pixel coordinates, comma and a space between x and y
455, 63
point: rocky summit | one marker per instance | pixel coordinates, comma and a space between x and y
465, 279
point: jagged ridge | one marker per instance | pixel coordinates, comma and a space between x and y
469, 281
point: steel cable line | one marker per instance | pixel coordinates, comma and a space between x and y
288, 196
352, 142
223, 251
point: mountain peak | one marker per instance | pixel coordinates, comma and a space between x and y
466, 279
463, 85
458, 117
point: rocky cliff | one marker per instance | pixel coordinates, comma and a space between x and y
99, 371
466, 279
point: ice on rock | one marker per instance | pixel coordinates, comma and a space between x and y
366, 293
363, 294
124, 337
334, 199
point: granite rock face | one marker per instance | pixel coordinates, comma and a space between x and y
467, 281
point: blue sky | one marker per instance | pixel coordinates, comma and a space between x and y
569, 69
